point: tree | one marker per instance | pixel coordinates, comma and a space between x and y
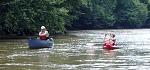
131, 13
26, 16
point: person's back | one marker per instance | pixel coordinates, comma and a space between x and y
109, 39
43, 34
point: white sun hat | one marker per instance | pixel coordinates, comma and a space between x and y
43, 27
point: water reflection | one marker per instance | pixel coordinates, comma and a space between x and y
110, 53
80, 50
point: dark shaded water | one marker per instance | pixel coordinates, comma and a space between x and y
80, 50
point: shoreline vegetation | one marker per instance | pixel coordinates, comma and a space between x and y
14, 36
25, 17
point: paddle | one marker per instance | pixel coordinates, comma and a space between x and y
104, 38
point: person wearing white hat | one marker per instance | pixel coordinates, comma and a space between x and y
43, 34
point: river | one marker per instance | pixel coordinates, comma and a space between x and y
80, 50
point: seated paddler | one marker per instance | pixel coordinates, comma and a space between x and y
109, 39
43, 34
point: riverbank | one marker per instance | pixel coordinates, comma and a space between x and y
14, 37
34, 36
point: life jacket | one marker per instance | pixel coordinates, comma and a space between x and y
109, 42
43, 37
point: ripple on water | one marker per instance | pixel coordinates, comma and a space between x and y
83, 51
16, 64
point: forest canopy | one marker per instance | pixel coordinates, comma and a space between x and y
25, 17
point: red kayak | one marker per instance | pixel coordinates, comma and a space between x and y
109, 45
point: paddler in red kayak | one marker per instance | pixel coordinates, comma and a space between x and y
109, 41
43, 34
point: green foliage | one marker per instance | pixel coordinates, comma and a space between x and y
131, 13
103, 10
27, 16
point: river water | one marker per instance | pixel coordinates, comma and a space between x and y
80, 50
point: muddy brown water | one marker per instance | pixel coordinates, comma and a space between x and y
80, 50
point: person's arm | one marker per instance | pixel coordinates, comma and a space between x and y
114, 40
40, 34
46, 33
105, 36
104, 39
